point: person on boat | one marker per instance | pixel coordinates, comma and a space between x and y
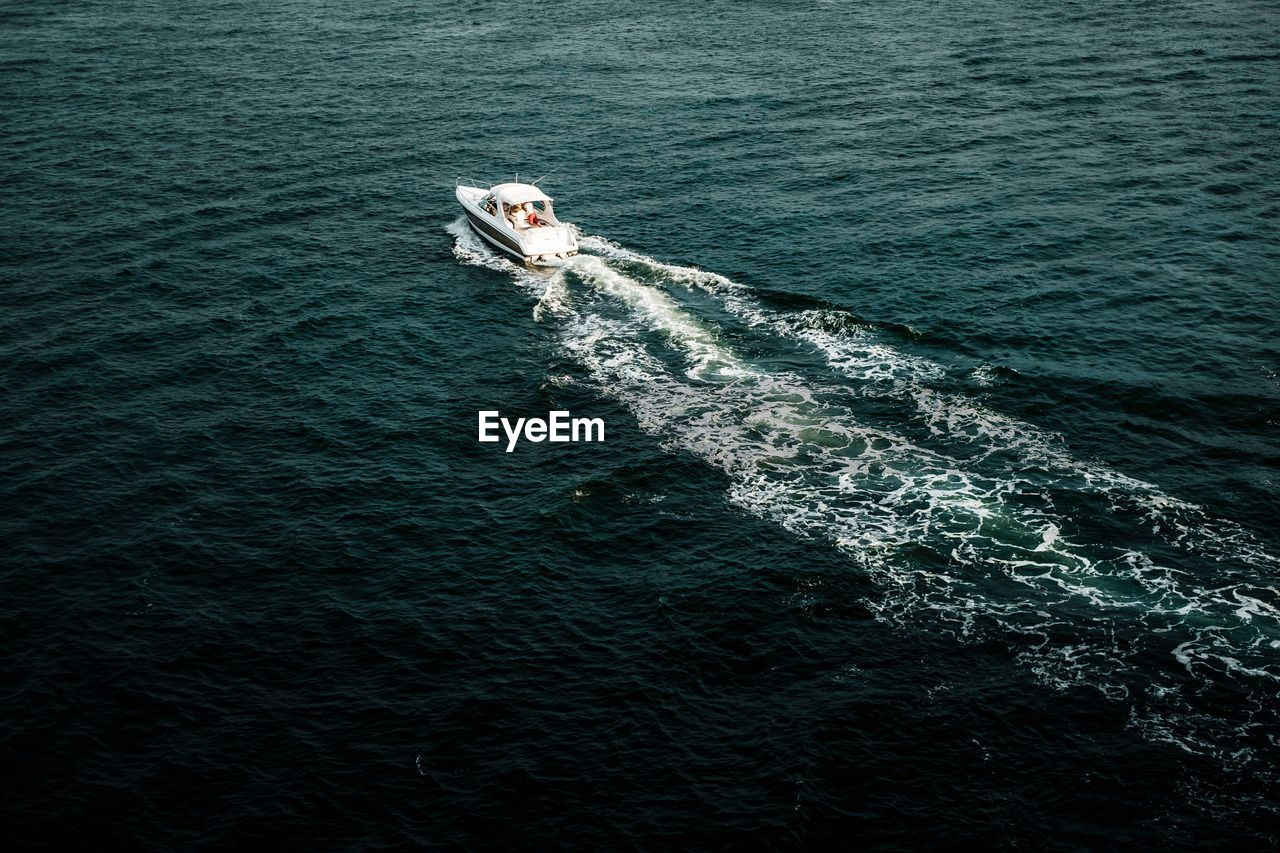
519, 217
534, 221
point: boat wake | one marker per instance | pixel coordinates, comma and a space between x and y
966, 518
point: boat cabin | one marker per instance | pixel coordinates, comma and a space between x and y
523, 206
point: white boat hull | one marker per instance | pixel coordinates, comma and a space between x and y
544, 245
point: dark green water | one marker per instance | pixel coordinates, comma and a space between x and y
937, 349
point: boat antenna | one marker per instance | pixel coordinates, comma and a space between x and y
552, 172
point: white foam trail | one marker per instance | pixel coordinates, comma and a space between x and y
866, 489
1132, 584
710, 359
944, 540
882, 370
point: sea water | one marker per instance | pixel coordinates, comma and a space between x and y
937, 350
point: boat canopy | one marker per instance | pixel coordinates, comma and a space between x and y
518, 193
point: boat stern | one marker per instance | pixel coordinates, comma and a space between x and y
549, 245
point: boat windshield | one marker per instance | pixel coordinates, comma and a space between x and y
530, 214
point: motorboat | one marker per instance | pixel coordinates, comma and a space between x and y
520, 220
